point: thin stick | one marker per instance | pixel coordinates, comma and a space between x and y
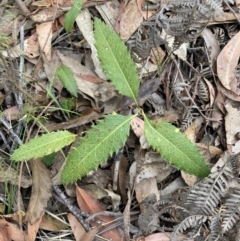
73, 209
23, 7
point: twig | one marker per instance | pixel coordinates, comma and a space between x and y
23, 8
9, 128
5, 140
233, 12
21, 67
73, 209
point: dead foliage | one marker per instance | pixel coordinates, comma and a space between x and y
187, 55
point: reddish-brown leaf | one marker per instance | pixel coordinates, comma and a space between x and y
88, 204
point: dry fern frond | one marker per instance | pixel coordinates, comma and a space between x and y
203, 92
230, 210
215, 229
204, 197
195, 222
235, 163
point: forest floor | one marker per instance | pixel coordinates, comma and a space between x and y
98, 145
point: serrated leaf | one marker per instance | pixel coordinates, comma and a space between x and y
72, 14
66, 76
43, 145
116, 60
96, 146
175, 147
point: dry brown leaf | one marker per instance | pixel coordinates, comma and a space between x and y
131, 20
88, 204
31, 46
122, 173
137, 125
157, 55
98, 192
44, 32
42, 3
3, 233
52, 224
85, 25
154, 161
46, 15
98, 92
8, 174
146, 187
227, 61
126, 216
89, 236
31, 49
211, 91
13, 232
218, 109
50, 68
109, 11
189, 179
192, 131
41, 191
31, 232
11, 113
162, 237
212, 47
92, 78
77, 228
78, 69
75, 122
227, 93
147, 88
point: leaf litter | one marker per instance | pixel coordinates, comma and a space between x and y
189, 78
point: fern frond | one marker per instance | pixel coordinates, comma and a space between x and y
189, 222
96, 146
216, 5
235, 163
215, 229
230, 212
204, 197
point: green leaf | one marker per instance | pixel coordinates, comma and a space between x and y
175, 147
49, 159
66, 76
96, 146
72, 14
43, 145
116, 60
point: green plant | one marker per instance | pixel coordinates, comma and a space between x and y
72, 14
110, 134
